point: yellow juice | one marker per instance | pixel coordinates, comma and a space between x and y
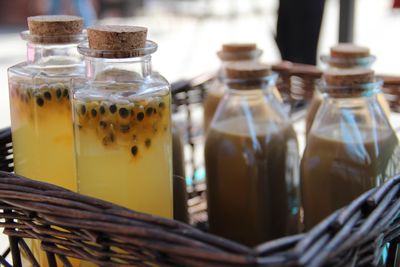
42, 137
123, 152
42, 133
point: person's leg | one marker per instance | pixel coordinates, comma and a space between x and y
298, 28
283, 29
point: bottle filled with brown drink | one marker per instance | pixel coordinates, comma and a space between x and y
231, 52
252, 160
351, 146
344, 56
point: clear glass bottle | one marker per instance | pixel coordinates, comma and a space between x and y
229, 53
344, 56
351, 146
122, 122
41, 119
252, 161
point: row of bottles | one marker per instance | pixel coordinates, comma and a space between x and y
89, 114
101, 96
96, 119
256, 182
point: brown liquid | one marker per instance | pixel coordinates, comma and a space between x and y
180, 195
252, 182
317, 101
333, 173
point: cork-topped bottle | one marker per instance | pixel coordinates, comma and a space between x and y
344, 56
252, 160
122, 122
41, 119
351, 146
230, 52
39, 88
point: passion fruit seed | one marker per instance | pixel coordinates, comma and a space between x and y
108, 139
140, 116
39, 101
65, 93
47, 95
147, 142
123, 112
149, 111
103, 124
113, 108
124, 128
134, 150
58, 93
161, 105
102, 110
94, 112
132, 112
83, 109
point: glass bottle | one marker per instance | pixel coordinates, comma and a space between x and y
41, 119
351, 146
229, 53
344, 56
122, 122
252, 160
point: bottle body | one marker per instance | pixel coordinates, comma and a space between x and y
122, 127
350, 149
41, 118
251, 156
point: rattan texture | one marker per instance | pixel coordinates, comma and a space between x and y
69, 224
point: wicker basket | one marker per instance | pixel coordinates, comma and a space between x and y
73, 225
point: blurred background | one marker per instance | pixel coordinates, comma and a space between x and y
189, 32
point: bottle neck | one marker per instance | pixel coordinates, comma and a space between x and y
118, 69
53, 54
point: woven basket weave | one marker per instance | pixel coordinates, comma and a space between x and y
69, 224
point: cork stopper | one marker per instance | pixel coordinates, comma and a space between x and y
237, 48
115, 37
246, 75
239, 51
348, 77
348, 51
246, 70
54, 28
348, 83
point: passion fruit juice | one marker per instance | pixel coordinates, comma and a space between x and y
42, 137
42, 133
123, 151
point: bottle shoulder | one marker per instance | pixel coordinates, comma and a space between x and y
26, 70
